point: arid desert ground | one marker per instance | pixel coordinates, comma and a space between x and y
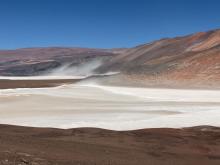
114, 120
152, 104
109, 107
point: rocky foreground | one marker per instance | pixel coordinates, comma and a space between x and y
93, 146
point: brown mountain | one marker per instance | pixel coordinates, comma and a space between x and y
190, 60
34, 61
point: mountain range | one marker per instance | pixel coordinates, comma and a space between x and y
192, 60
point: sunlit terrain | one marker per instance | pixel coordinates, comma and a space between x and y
116, 108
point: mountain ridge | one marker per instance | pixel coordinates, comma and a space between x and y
191, 60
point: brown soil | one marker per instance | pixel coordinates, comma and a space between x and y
10, 84
92, 146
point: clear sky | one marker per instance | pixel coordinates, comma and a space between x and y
101, 23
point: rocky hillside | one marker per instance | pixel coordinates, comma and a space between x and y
34, 61
192, 59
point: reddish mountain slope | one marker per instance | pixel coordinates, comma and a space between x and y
192, 59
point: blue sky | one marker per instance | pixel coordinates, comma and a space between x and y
101, 23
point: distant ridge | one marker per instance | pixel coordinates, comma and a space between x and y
192, 60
